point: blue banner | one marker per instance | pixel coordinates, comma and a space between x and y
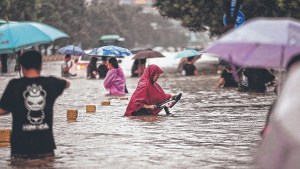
239, 20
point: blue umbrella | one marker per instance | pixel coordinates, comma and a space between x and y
15, 36
113, 51
72, 50
187, 53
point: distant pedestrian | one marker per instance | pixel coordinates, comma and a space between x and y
102, 68
66, 66
189, 68
138, 67
30, 100
4, 65
257, 79
92, 70
115, 80
227, 79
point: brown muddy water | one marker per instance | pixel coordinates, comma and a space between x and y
209, 127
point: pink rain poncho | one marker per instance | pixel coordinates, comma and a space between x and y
147, 92
114, 82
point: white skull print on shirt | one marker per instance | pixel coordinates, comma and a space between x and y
35, 102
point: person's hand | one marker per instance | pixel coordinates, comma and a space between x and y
151, 107
94, 73
173, 96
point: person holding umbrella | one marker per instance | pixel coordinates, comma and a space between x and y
30, 100
189, 68
66, 66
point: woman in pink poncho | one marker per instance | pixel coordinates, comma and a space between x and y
115, 80
147, 94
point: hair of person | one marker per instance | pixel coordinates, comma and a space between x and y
294, 59
104, 58
68, 56
142, 61
31, 60
190, 58
93, 60
228, 67
113, 61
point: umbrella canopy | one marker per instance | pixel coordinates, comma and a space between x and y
72, 50
136, 50
15, 36
260, 42
148, 54
187, 53
113, 51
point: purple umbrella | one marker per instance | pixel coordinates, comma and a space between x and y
260, 42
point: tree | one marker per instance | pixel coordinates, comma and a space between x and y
85, 21
203, 15
19, 10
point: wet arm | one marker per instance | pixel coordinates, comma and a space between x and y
221, 82
3, 112
196, 72
68, 84
149, 106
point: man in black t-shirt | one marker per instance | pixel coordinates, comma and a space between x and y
30, 99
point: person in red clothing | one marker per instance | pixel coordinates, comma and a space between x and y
147, 94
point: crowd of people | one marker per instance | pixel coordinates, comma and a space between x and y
247, 79
32, 135
34, 94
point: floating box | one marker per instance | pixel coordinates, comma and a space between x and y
90, 108
105, 103
5, 135
124, 98
72, 114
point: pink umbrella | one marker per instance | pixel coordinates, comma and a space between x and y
260, 42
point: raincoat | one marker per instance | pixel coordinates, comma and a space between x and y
114, 82
147, 92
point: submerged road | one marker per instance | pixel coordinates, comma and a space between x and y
210, 127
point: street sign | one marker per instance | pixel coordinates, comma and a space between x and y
240, 19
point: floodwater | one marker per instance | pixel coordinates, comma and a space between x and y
209, 127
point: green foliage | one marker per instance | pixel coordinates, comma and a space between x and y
202, 15
19, 10
85, 23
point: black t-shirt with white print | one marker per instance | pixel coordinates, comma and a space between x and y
31, 101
